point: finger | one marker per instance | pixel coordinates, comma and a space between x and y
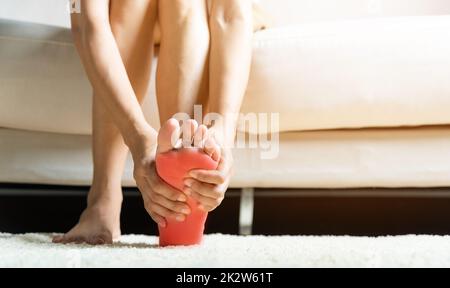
206, 203
164, 212
158, 185
143, 186
174, 206
162, 188
209, 176
225, 163
158, 219
205, 189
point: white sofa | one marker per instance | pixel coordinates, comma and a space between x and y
362, 88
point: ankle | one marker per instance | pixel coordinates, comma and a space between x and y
104, 200
105, 194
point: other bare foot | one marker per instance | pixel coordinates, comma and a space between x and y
99, 223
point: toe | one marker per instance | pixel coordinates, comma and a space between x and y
105, 238
66, 240
188, 128
212, 149
58, 239
96, 240
79, 240
168, 136
72, 237
199, 136
99, 241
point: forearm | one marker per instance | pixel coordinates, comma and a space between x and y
109, 77
106, 71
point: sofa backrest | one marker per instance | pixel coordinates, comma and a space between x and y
50, 12
286, 12
283, 12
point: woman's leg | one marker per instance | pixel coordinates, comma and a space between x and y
182, 81
182, 75
231, 29
132, 23
230, 25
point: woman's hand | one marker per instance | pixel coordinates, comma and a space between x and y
160, 200
208, 187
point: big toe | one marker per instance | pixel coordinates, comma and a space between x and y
168, 135
58, 239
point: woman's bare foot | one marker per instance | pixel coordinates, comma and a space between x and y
99, 223
206, 186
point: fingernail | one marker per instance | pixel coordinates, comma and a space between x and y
186, 211
162, 224
182, 198
201, 207
188, 182
180, 218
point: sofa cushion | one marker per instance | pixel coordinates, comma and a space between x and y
325, 75
352, 74
414, 157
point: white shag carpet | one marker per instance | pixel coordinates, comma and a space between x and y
36, 250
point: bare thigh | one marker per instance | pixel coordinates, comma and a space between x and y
182, 76
133, 23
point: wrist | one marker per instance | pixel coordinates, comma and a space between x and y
141, 139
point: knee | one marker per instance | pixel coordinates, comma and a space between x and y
187, 17
181, 8
231, 12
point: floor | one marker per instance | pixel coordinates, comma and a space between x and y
35, 250
372, 212
58, 213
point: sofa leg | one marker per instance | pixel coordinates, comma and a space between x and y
246, 211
